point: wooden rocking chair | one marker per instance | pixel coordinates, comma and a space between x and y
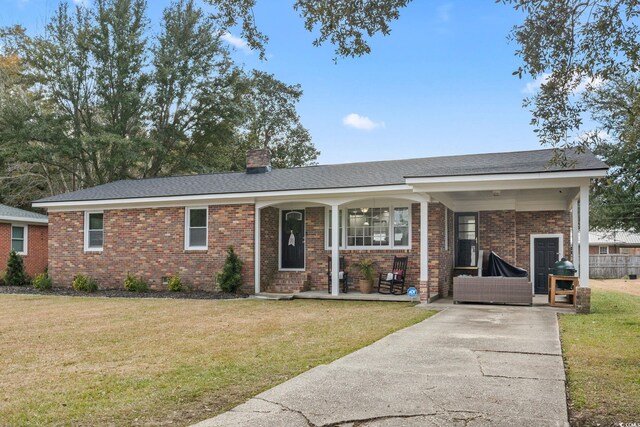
393, 282
342, 273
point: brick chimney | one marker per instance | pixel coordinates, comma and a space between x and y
258, 161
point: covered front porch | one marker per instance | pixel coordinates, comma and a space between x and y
531, 220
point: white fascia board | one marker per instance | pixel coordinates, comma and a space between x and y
598, 173
515, 184
212, 199
23, 220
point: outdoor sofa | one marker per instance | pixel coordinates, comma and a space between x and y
494, 290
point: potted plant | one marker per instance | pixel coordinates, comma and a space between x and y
366, 267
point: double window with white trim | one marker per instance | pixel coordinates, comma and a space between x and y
387, 227
19, 239
196, 229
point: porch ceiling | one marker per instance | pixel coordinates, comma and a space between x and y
521, 200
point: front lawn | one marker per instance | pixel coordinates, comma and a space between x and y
602, 358
94, 361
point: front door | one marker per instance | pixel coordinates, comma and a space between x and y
292, 239
546, 251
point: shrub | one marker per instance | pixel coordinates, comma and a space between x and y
230, 279
42, 282
84, 283
15, 275
135, 284
2, 282
174, 284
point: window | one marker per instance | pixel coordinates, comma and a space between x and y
603, 250
401, 224
466, 239
368, 227
19, 239
93, 231
196, 228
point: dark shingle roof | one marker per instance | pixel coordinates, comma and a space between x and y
389, 172
11, 213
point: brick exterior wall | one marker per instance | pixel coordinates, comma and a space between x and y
497, 232
150, 243
540, 222
35, 262
269, 223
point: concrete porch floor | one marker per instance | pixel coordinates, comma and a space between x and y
539, 301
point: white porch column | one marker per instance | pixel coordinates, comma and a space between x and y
575, 236
335, 250
584, 235
424, 241
256, 248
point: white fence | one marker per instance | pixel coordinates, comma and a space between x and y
613, 266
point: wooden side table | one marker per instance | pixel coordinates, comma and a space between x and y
554, 291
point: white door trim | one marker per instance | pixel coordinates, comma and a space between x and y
532, 238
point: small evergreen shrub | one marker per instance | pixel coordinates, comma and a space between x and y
230, 279
2, 282
42, 282
174, 284
84, 283
135, 284
15, 275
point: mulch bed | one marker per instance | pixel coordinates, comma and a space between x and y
119, 293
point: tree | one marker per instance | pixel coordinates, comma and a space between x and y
273, 122
573, 46
15, 275
616, 199
345, 23
230, 278
99, 97
587, 54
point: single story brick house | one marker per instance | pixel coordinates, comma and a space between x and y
613, 242
26, 233
440, 212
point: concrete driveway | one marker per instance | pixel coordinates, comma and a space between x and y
467, 366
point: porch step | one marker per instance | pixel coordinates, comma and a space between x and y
288, 282
274, 297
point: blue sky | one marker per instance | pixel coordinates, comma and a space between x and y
440, 84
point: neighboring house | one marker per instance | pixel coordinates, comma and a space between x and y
614, 242
440, 212
26, 233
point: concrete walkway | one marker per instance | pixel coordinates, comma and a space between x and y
466, 366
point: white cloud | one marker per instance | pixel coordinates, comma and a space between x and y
585, 83
534, 86
444, 12
83, 3
357, 121
236, 42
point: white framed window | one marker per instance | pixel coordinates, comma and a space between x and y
603, 250
93, 231
196, 228
19, 236
387, 227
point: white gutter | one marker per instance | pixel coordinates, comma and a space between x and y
23, 219
227, 196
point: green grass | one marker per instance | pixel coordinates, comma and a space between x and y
95, 361
602, 358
